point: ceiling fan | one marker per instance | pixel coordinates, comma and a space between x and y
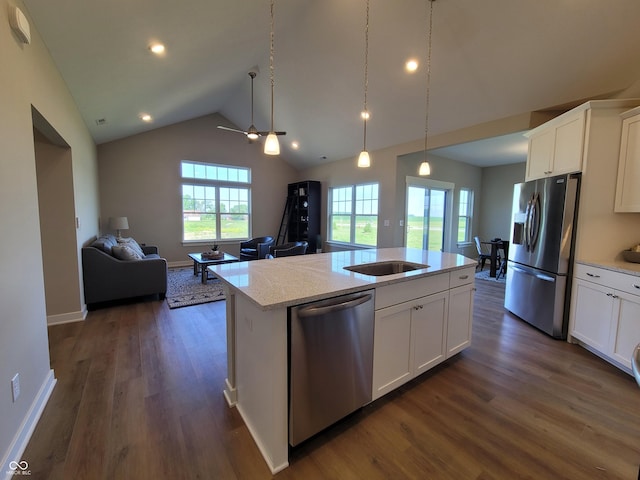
252, 132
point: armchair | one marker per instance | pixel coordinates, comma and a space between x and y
289, 249
256, 248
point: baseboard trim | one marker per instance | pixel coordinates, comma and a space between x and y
22, 437
181, 263
67, 317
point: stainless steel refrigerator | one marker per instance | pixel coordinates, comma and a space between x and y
538, 286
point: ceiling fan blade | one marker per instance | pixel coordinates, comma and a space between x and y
264, 134
222, 127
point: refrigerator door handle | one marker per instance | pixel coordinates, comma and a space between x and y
533, 219
540, 276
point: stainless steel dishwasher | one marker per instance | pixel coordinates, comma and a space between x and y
330, 361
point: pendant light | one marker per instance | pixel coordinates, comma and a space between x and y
271, 144
425, 168
363, 160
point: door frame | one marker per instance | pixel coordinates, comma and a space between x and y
449, 189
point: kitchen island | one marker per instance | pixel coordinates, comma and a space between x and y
436, 300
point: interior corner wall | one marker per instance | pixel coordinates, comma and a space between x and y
497, 196
30, 79
140, 179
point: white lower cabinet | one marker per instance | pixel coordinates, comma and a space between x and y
592, 313
605, 312
460, 315
416, 335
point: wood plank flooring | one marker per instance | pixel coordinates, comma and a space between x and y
139, 396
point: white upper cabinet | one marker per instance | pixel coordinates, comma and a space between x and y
628, 184
557, 146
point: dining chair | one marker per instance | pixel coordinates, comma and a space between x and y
484, 253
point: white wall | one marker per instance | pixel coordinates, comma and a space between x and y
140, 179
28, 78
497, 195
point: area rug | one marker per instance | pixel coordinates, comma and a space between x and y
185, 289
484, 275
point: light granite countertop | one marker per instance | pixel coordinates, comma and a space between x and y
619, 266
288, 281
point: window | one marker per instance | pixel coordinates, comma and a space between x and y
353, 214
215, 202
465, 215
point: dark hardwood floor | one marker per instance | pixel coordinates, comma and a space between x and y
139, 396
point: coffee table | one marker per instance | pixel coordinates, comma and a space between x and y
200, 264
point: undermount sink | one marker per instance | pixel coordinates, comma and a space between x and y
385, 268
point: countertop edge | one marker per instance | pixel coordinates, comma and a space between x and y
388, 280
619, 266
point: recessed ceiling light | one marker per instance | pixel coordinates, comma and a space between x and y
157, 48
295, 145
411, 65
145, 117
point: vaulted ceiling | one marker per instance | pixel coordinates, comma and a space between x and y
491, 60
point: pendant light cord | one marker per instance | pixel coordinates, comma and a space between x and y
271, 63
426, 119
366, 76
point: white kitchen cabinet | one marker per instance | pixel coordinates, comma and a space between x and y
428, 328
416, 334
408, 340
459, 319
592, 312
556, 147
605, 312
626, 334
391, 348
627, 191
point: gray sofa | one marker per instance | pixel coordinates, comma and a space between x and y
108, 278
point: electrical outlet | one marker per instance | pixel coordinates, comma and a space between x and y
15, 386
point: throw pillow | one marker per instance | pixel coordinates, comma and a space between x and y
125, 252
130, 242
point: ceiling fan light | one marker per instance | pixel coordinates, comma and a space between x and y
271, 144
425, 169
252, 136
363, 160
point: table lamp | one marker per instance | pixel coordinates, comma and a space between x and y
118, 223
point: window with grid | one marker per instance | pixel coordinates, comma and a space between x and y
465, 215
353, 214
216, 202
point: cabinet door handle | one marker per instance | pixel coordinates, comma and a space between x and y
636, 286
612, 295
464, 277
593, 275
418, 307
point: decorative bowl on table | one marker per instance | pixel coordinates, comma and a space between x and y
212, 255
631, 256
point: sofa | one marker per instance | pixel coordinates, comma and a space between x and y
116, 269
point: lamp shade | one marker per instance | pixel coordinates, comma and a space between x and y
119, 223
363, 160
425, 169
271, 144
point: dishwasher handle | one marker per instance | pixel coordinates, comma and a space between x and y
312, 311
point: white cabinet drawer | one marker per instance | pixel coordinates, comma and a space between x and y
608, 278
627, 283
411, 289
461, 277
597, 275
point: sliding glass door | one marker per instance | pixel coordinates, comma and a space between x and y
426, 216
